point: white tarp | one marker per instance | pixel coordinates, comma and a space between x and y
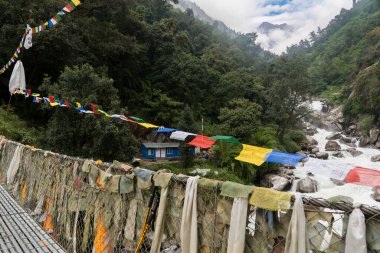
330, 168
17, 78
180, 136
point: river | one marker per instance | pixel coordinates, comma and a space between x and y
326, 188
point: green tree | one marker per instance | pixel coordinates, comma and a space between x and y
241, 118
187, 123
290, 89
73, 133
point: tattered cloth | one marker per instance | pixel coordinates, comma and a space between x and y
269, 199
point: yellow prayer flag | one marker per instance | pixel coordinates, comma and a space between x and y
78, 105
104, 113
252, 154
54, 104
270, 199
76, 2
147, 125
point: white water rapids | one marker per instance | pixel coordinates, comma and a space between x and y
326, 188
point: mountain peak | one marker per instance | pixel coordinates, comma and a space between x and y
267, 27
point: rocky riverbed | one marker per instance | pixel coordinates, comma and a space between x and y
330, 140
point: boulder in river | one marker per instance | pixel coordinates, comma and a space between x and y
315, 150
354, 152
307, 185
311, 141
375, 158
332, 146
334, 136
374, 135
338, 154
364, 141
322, 155
276, 182
376, 193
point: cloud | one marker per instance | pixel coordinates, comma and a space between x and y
246, 15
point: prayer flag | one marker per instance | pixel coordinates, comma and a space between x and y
52, 22
225, 138
104, 113
147, 125
68, 8
67, 104
36, 100
165, 130
51, 98
180, 135
94, 106
253, 154
202, 142
283, 158
58, 17
75, 2
122, 117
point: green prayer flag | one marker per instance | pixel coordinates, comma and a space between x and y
230, 139
136, 119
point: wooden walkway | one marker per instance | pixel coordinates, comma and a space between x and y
19, 233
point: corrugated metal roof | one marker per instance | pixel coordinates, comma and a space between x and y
161, 145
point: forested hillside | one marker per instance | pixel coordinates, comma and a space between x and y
344, 59
147, 59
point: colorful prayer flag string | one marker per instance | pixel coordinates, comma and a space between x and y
52, 22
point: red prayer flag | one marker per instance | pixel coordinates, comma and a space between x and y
51, 98
67, 103
202, 142
94, 109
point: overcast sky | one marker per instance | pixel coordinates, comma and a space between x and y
246, 15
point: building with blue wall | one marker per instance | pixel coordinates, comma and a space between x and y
165, 150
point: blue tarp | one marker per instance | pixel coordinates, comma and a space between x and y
165, 130
283, 158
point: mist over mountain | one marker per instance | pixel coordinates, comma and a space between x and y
200, 14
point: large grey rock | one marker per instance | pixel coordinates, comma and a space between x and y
332, 146
338, 154
351, 145
354, 152
376, 193
315, 150
347, 140
334, 136
375, 158
374, 136
311, 141
364, 141
377, 145
311, 131
322, 155
307, 185
276, 182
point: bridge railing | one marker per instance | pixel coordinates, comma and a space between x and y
71, 202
